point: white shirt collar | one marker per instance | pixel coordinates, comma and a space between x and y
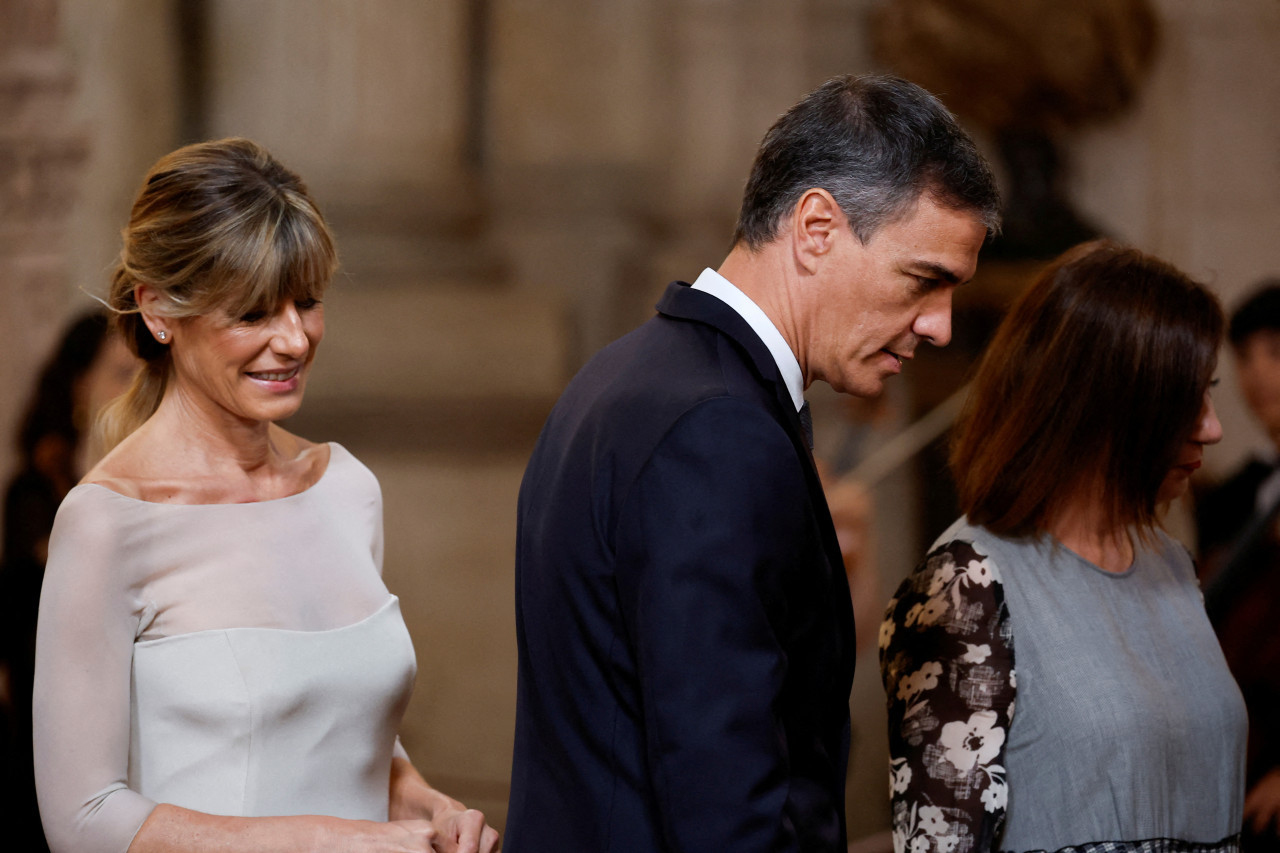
720, 287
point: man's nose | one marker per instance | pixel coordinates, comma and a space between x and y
933, 323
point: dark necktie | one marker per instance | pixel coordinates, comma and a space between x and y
806, 423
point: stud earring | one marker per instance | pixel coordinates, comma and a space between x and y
162, 335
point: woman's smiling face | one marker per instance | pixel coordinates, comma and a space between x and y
253, 367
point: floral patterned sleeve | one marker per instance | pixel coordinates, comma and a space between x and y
946, 660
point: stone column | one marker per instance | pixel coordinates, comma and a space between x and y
575, 119
622, 133
41, 152
366, 100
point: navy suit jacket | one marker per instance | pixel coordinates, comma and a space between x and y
684, 624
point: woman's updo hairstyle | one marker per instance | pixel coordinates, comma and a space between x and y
217, 225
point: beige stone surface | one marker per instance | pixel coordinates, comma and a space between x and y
355, 96
125, 66
450, 533
575, 80
436, 341
42, 153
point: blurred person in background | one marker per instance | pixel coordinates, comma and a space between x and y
1240, 562
89, 366
1053, 681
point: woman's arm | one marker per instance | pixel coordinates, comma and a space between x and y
946, 659
457, 827
89, 616
170, 829
421, 819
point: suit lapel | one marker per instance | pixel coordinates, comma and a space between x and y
680, 301
684, 303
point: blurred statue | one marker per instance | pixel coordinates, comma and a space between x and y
1026, 73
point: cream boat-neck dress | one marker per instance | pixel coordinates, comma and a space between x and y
237, 659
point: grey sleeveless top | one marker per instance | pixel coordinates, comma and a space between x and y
1038, 702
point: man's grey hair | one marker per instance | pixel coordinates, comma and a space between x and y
876, 143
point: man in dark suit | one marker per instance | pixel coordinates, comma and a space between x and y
684, 623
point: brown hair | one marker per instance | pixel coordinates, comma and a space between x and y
216, 225
1096, 375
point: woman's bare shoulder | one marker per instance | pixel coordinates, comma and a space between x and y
305, 460
125, 469
296, 448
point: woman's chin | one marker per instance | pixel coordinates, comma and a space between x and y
1174, 486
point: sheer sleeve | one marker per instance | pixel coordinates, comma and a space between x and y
89, 616
946, 660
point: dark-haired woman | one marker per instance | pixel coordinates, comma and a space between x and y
219, 665
1053, 681
89, 366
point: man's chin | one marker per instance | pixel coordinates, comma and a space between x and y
862, 386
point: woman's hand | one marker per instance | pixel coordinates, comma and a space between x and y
1262, 805
458, 829
463, 830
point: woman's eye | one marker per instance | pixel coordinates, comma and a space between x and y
306, 304
251, 317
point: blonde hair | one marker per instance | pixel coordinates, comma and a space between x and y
216, 225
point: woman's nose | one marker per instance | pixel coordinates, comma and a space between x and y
1208, 427
288, 336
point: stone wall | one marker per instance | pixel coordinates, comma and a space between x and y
42, 151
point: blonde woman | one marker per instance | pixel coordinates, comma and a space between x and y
219, 665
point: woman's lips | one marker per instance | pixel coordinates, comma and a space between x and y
273, 376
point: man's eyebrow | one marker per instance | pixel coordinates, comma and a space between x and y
938, 271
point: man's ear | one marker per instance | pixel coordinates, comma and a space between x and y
815, 221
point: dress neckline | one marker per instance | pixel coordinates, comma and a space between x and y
334, 448
1056, 545
392, 603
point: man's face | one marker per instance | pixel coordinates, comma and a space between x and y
871, 304
1258, 367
